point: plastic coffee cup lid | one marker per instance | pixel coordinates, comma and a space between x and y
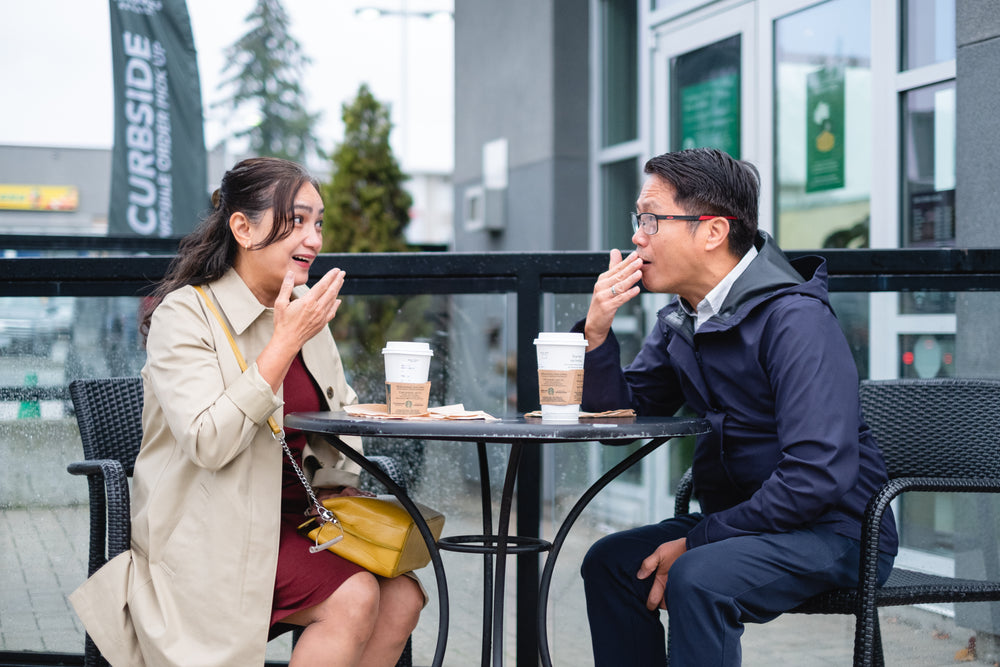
407, 347
560, 338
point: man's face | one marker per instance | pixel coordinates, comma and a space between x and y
672, 260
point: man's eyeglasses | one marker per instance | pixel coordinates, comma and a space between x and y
650, 222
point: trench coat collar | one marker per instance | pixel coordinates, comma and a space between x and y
238, 303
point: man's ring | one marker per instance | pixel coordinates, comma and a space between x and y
614, 292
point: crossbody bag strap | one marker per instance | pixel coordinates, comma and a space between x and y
277, 431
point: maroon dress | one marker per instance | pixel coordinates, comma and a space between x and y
303, 579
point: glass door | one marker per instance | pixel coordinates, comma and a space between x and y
822, 125
703, 79
702, 94
705, 97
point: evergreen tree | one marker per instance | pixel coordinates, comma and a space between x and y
367, 207
367, 210
267, 64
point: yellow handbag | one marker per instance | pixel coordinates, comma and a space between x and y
376, 533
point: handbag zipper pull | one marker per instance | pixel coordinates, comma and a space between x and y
316, 548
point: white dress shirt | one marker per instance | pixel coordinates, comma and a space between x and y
713, 301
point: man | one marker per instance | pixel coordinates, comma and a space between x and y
750, 343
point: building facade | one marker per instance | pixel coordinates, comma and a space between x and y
873, 124
521, 125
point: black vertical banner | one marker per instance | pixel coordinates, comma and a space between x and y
158, 172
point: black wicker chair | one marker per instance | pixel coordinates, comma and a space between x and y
109, 414
935, 435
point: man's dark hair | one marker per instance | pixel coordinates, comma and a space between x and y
710, 182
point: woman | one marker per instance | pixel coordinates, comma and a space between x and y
216, 567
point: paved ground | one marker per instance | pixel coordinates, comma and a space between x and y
43, 558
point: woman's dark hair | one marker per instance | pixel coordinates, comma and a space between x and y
707, 181
252, 187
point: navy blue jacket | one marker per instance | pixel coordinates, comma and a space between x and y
773, 373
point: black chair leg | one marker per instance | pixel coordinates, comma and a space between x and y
868, 627
878, 660
406, 658
91, 656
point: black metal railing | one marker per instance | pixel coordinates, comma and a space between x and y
526, 275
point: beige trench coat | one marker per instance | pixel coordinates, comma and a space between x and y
197, 584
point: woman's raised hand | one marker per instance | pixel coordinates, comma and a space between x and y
306, 316
295, 322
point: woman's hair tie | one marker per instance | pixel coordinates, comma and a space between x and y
217, 199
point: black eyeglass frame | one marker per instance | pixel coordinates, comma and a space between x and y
635, 218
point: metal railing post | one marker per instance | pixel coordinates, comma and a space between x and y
529, 478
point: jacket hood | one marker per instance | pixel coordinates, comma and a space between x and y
769, 275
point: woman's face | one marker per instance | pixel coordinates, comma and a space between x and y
264, 269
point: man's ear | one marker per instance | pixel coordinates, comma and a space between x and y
240, 226
717, 233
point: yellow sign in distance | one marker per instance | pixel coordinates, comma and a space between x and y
17, 197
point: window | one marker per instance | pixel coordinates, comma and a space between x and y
928, 180
822, 126
927, 219
927, 140
619, 71
705, 98
928, 32
619, 190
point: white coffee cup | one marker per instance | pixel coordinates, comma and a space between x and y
407, 367
407, 361
560, 374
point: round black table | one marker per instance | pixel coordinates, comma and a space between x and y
519, 432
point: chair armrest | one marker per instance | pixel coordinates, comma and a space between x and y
880, 500
956, 484
879, 503
100, 467
682, 498
114, 501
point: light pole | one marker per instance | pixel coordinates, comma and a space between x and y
373, 13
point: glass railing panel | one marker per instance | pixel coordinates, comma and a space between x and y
48, 342
939, 532
891, 334
473, 343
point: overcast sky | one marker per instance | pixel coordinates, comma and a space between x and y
55, 57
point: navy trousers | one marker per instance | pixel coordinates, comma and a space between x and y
711, 590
